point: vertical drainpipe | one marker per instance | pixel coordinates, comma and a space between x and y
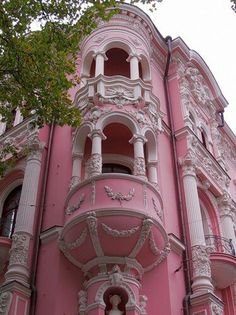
40, 221
168, 40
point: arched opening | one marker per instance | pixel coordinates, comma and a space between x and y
92, 69
117, 152
115, 299
116, 63
9, 212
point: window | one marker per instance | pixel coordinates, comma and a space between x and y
10, 208
115, 168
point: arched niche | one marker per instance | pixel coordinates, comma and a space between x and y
121, 118
209, 213
9, 203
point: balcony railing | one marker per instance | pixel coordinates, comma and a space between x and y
218, 244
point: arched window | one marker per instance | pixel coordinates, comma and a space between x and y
116, 63
9, 212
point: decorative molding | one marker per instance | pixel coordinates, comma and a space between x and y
94, 166
92, 225
93, 192
152, 244
119, 196
146, 227
5, 302
82, 302
216, 309
119, 233
142, 304
77, 243
201, 261
139, 166
163, 254
158, 211
72, 209
19, 249
145, 195
115, 276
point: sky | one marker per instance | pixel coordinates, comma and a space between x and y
209, 28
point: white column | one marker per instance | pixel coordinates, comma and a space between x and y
76, 169
95, 164
227, 217
139, 159
134, 66
100, 58
23, 232
200, 258
152, 172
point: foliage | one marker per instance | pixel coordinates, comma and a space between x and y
37, 67
233, 5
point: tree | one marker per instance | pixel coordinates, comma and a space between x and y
37, 67
233, 5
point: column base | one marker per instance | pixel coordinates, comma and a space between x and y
206, 304
15, 299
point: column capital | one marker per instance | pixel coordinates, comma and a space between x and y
100, 53
133, 55
97, 133
138, 138
188, 163
34, 146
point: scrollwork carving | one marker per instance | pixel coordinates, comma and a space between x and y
5, 301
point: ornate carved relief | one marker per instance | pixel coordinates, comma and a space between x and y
92, 225
77, 243
201, 261
115, 276
82, 302
139, 166
19, 249
72, 209
94, 166
5, 301
142, 304
93, 192
216, 309
119, 233
146, 227
119, 196
158, 211
95, 113
155, 250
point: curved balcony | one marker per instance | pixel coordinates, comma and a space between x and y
114, 219
117, 90
223, 260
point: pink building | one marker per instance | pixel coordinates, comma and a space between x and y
134, 212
